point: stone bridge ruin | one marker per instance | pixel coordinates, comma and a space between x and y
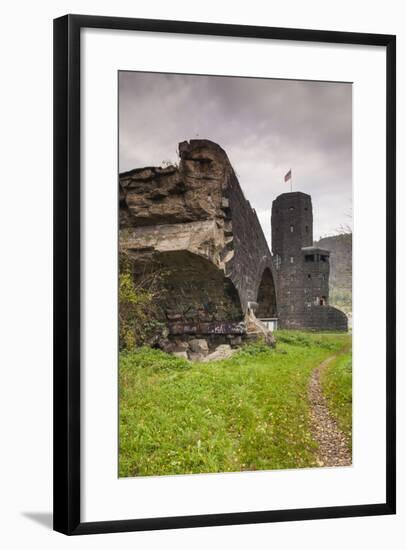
193, 224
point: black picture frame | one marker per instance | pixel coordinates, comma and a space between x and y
67, 296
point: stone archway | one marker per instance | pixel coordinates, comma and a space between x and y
196, 295
266, 298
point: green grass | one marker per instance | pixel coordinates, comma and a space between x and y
249, 412
336, 382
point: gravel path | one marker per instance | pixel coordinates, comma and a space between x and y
333, 448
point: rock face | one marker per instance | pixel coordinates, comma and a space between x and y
193, 223
193, 191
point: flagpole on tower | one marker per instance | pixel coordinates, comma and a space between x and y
288, 177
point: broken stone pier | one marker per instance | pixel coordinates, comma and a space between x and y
193, 223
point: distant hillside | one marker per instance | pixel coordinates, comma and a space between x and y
340, 247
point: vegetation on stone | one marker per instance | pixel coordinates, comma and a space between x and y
138, 310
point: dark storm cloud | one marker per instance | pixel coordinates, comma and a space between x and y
265, 126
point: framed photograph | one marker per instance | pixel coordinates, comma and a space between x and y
224, 274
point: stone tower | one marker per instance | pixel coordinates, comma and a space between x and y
302, 269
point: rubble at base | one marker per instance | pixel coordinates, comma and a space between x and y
217, 347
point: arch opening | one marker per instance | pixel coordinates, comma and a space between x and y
196, 296
266, 297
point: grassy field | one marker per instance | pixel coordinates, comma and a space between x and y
249, 412
336, 382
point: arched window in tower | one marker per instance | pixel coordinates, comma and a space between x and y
291, 228
307, 228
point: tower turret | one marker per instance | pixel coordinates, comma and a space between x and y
292, 224
302, 269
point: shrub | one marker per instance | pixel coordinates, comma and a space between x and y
139, 321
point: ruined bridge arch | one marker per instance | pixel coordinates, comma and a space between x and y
196, 296
195, 219
266, 295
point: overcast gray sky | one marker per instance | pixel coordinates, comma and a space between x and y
265, 126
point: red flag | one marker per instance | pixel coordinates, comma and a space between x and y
288, 176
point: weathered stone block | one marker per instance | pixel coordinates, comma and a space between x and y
224, 351
236, 341
199, 345
180, 345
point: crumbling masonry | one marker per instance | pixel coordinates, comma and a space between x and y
194, 223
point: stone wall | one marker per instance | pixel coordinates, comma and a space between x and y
251, 263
